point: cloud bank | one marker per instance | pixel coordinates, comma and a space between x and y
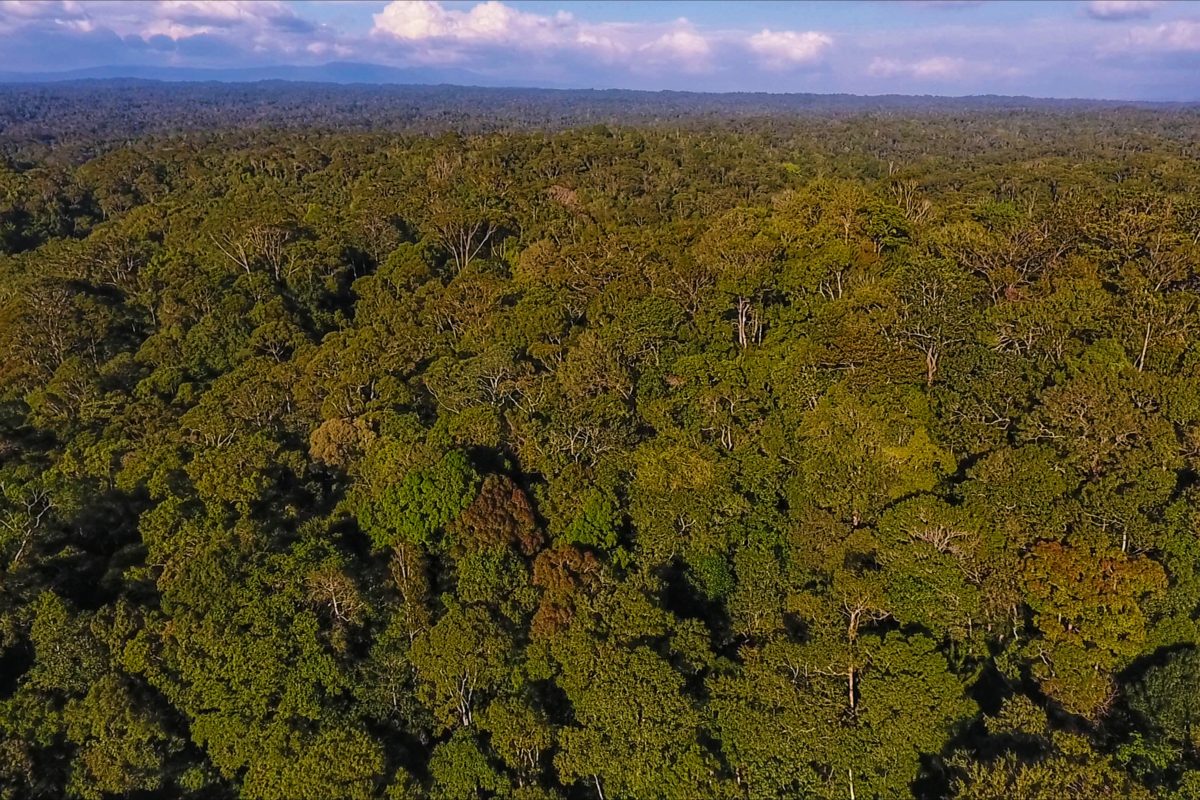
1122, 9
1106, 48
432, 32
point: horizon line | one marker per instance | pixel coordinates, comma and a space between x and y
79, 75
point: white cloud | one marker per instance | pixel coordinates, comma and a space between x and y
39, 9
197, 32
1178, 36
181, 19
218, 13
535, 43
1122, 9
937, 68
176, 19
783, 49
682, 48
65, 13
606, 45
432, 33
329, 49
490, 22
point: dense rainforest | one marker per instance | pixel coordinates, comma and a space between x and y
725, 455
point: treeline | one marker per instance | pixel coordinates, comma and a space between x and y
75, 120
849, 457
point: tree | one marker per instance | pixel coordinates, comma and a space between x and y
1063, 764
416, 508
934, 311
738, 251
1089, 618
643, 746
461, 662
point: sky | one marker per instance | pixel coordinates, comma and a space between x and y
1115, 49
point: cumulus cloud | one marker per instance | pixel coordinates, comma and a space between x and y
32, 9
181, 19
428, 31
500, 41
784, 49
683, 47
68, 13
174, 18
1122, 9
215, 31
491, 22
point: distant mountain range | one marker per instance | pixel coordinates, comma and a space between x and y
350, 73
334, 72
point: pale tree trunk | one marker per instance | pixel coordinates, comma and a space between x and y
1141, 360
743, 308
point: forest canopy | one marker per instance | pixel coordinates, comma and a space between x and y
739, 450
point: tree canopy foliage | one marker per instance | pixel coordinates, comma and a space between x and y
839, 455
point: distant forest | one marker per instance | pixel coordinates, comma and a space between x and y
80, 116
450, 443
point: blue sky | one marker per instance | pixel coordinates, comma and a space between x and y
1121, 49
